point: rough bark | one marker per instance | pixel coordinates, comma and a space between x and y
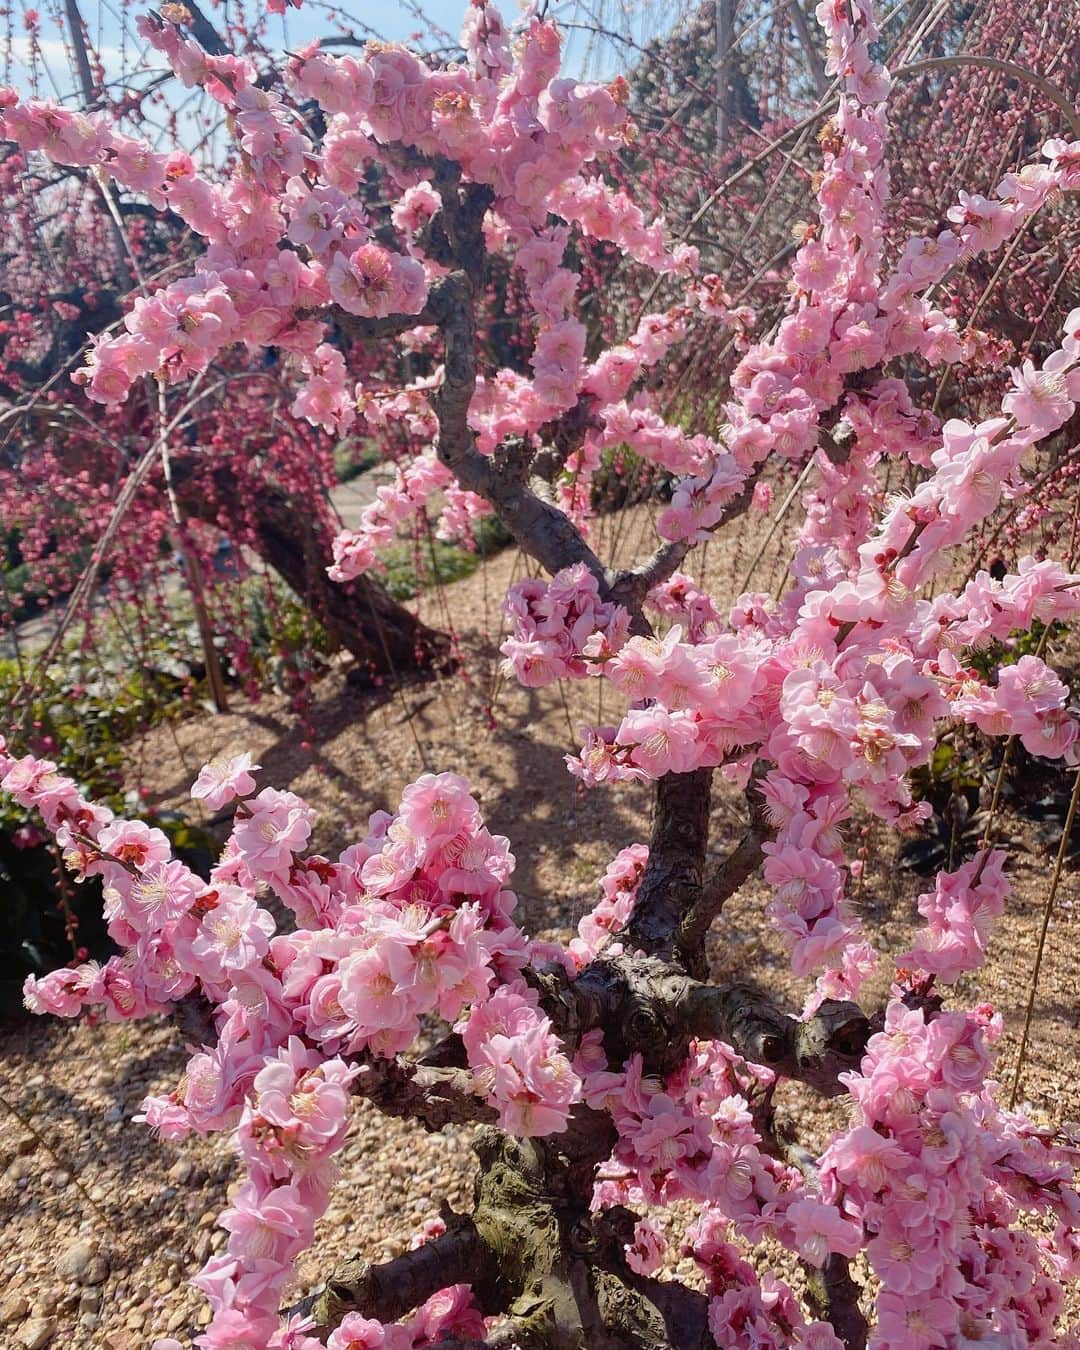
434, 1096
532, 1250
675, 871
393, 1288
649, 1006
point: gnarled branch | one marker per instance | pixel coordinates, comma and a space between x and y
393, 1288
434, 1096
649, 1006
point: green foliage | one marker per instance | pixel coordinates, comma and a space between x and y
997, 654
353, 458
286, 643
412, 567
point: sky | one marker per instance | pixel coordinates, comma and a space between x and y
392, 20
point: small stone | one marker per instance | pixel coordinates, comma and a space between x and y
61, 1179
180, 1172
208, 1219
97, 1272
90, 1300
75, 1261
114, 1114
13, 1309
45, 1302
90, 1321
135, 1319
38, 1332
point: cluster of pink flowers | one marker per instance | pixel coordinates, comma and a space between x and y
356, 551
518, 1061
843, 684
286, 236
681, 599
599, 929
936, 1172
748, 1312
561, 627
605, 213
693, 1136
414, 921
960, 913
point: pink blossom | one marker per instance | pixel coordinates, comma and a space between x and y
277, 826
223, 778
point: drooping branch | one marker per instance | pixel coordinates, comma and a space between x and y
363, 329
1050, 91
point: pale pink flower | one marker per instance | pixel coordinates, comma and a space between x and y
224, 778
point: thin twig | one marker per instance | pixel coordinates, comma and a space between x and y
1048, 910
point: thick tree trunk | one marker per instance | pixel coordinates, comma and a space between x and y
384, 637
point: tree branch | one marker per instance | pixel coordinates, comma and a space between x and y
539, 527
651, 1007
721, 882
393, 1288
204, 32
1017, 72
836, 1296
814, 1052
814, 63
434, 1096
676, 867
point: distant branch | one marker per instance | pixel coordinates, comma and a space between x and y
1010, 68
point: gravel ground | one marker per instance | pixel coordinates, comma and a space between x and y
103, 1225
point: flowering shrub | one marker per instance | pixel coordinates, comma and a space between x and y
611, 1074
